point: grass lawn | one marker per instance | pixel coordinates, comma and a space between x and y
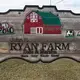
62, 69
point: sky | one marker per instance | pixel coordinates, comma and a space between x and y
73, 5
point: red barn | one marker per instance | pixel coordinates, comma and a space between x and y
38, 22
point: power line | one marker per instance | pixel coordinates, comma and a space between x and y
56, 2
59, 1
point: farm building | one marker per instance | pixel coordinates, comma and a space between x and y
38, 22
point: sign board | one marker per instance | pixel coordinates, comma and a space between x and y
39, 34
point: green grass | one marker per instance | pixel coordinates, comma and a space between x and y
62, 69
69, 36
7, 33
78, 35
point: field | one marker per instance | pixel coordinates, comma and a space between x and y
62, 69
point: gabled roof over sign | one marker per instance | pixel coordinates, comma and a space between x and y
49, 18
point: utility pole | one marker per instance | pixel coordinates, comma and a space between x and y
50, 2
50, 5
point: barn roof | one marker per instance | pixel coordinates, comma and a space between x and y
49, 18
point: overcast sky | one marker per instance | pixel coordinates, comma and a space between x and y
73, 5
